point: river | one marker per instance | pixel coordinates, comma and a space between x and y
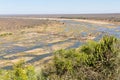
78, 29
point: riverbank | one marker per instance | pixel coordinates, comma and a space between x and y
92, 21
98, 22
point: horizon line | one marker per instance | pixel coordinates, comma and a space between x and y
57, 13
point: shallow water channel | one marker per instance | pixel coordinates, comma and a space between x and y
78, 29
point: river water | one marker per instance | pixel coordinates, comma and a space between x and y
78, 29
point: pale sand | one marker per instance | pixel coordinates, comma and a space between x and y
81, 20
92, 21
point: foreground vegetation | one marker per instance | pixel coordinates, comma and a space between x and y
92, 61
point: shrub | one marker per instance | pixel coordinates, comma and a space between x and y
20, 72
92, 61
5, 34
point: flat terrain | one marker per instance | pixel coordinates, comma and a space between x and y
34, 39
110, 17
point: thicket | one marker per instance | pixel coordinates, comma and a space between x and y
92, 61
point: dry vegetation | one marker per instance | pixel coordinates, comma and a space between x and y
11, 24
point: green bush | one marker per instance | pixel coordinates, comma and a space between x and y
19, 72
92, 61
23, 72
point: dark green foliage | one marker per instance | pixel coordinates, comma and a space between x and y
92, 61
